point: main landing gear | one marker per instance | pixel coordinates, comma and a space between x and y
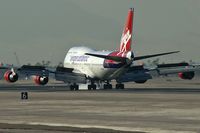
107, 86
74, 87
92, 86
119, 86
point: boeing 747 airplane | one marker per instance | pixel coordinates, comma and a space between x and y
86, 65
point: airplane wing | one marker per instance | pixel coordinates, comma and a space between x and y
41, 74
33, 70
141, 74
138, 74
67, 75
165, 69
3, 68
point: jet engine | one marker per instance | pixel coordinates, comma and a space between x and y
186, 75
140, 81
11, 76
41, 80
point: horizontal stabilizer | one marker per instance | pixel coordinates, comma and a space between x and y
114, 58
123, 59
154, 55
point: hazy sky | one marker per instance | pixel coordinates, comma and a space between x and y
45, 29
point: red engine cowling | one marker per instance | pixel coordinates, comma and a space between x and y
11, 76
186, 75
41, 80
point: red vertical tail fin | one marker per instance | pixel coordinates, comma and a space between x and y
125, 44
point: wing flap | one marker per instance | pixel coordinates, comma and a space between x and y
67, 75
171, 68
61, 73
135, 74
33, 70
174, 68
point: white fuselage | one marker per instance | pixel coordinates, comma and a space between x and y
89, 65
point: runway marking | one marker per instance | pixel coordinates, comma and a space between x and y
122, 129
83, 126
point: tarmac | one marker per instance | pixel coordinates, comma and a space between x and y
164, 105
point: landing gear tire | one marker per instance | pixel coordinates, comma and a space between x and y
71, 87
119, 86
74, 87
92, 87
107, 86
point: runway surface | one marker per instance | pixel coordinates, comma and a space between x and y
55, 109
